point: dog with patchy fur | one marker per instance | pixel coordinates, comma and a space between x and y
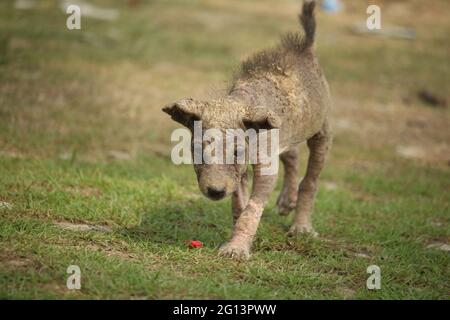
281, 88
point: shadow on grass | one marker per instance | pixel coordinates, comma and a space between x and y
176, 222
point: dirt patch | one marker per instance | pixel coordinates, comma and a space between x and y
330, 185
5, 205
361, 255
411, 151
438, 222
112, 252
119, 155
14, 261
407, 131
19, 262
439, 246
82, 227
345, 293
57, 288
11, 154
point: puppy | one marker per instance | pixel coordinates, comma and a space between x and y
280, 90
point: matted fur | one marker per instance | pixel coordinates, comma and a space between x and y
280, 88
291, 48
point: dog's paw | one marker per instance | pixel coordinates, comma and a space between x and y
286, 203
235, 251
302, 229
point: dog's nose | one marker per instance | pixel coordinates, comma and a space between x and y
215, 193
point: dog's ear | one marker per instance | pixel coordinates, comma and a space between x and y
184, 111
260, 118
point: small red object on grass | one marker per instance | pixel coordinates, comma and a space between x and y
195, 244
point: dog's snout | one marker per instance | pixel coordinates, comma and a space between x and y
216, 194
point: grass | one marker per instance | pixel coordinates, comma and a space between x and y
82, 141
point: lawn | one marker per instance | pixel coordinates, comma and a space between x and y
86, 177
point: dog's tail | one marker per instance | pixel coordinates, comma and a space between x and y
308, 22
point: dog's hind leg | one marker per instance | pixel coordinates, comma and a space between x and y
318, 146
287, 199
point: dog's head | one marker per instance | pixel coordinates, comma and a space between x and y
220, 155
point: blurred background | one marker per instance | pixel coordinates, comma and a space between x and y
101, 88
85, 170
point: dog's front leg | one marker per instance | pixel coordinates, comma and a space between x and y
246, 225
239, 198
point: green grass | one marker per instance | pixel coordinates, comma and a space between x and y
69, 98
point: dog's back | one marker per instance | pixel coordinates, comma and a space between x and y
288, 80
